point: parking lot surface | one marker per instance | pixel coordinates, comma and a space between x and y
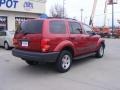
86, 74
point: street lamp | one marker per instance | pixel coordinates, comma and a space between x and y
85, 19
81, 14
112, 17
112, 2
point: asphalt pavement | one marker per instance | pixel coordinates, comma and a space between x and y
86, 74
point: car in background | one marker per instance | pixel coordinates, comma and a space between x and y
6, 39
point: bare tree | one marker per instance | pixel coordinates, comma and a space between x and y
57, 11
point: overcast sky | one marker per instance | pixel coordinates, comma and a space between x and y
73, 10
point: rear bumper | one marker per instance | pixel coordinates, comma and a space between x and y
35, 56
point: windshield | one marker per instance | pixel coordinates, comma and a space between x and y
30, 27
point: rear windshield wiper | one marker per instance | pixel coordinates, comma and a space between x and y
25, 33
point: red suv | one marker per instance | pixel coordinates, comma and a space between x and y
56, 40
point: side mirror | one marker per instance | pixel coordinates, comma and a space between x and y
80, 30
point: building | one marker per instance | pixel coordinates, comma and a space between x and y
13, 12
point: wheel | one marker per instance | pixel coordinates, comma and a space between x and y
100, 52
32, 62
64, 61
6, 46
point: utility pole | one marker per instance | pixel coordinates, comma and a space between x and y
105, 13
112, 2
63, 8
112, 17
85, 19
108, 22
81, 14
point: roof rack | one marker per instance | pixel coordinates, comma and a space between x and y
61, 18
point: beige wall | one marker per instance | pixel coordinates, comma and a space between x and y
11, 17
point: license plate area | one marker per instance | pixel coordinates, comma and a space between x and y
24, 43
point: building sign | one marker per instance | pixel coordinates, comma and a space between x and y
8, 3
28, 5
42, 1
31, 6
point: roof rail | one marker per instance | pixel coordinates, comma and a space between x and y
61, 18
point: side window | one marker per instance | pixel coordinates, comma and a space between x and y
2, 33
87, 29
75, 28
57, 27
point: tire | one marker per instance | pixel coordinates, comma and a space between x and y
6, 46
100, 52
64, 61
32, 63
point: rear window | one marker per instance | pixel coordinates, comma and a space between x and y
57, 27
31, 27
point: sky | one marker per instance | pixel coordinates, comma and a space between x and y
72, 8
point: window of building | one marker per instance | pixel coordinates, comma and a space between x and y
2, 33
3, 23
57, 27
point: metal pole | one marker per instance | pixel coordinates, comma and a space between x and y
85, 19
105, 13
63, 7
81, 14
112, 17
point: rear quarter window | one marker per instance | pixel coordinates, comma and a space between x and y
57, 27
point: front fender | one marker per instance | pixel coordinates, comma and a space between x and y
100, 41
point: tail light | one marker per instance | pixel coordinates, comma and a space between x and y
14, 41
45, 45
